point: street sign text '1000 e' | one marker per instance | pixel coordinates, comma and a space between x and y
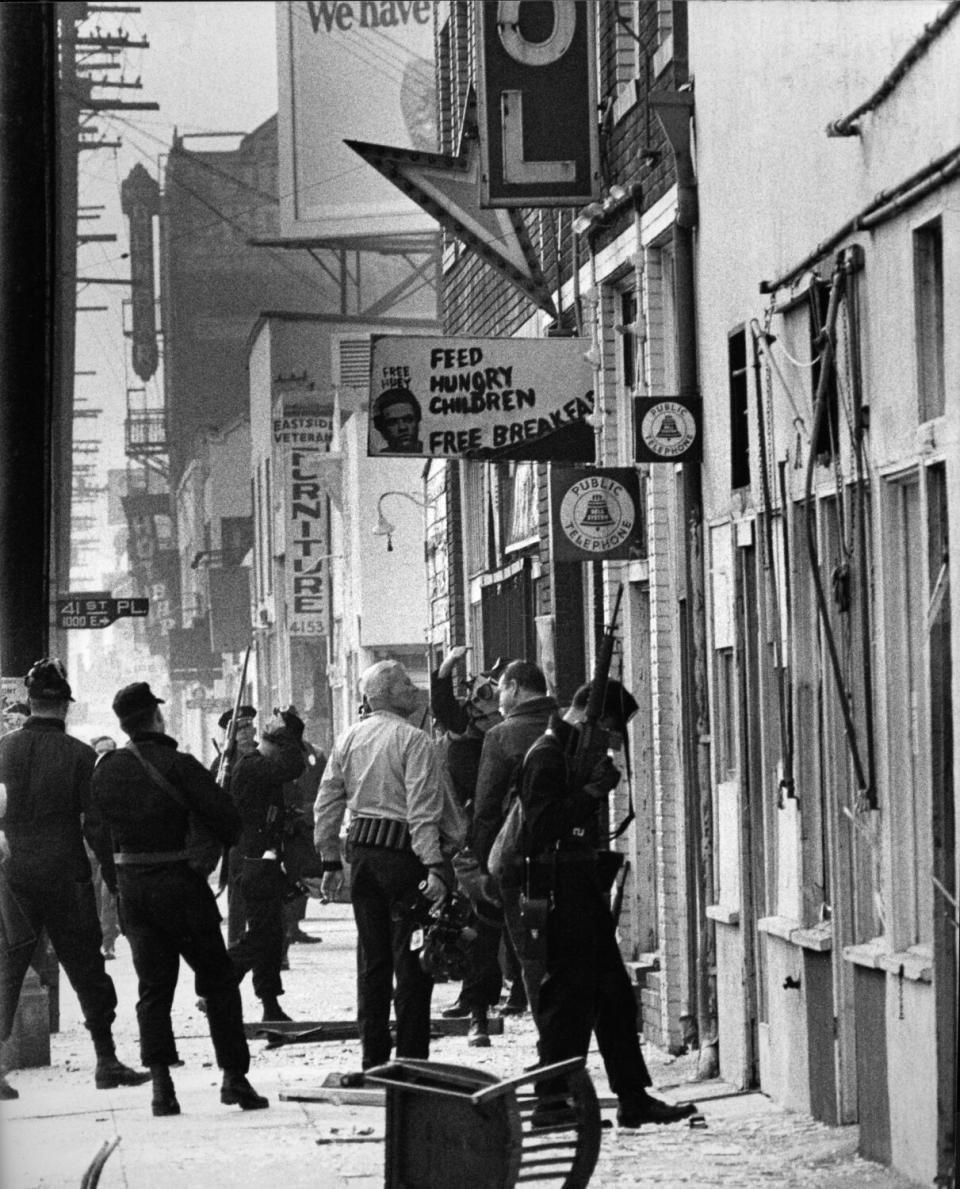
97, 611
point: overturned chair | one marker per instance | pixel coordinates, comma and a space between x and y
450, 1125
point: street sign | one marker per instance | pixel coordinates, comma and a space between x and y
96, 611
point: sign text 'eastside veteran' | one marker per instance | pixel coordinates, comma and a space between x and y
480, 398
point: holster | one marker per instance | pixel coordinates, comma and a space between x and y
534, 911
609, 863
261, 879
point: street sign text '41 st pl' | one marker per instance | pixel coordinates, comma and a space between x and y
97, 610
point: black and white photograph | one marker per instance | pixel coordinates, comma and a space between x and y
477, 490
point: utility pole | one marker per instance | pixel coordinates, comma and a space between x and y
79, 54
28, 65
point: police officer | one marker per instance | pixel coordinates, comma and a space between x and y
257, 789
244, 742
46, 880
585, 987
299, 797
167, 908
383, 769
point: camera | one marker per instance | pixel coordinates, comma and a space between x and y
447, 934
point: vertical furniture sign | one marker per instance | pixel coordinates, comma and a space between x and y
302, 433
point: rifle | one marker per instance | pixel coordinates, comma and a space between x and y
591, 739
227, 756
225, 766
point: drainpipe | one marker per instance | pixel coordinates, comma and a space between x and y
675, 111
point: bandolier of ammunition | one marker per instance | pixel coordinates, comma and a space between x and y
382, 832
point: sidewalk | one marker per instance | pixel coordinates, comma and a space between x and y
52, 1132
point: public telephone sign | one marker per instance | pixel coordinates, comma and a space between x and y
539, 140
97, 611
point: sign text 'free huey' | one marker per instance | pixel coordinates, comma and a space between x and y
482, 398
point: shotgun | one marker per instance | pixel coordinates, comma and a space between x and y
228, 755
591, 739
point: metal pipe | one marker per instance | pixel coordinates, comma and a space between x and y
846, 126
883, 206
826, 363
675, 112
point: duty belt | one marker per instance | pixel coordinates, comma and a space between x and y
383, 832
144, 858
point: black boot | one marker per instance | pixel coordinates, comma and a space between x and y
456, 1011
272, 1011
237, 1091
110, 1072
164, 1095
478, 1036
636, 1109
7, 1092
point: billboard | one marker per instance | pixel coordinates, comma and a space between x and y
480, 398
330, 54
538, 103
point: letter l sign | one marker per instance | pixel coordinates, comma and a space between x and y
515, 169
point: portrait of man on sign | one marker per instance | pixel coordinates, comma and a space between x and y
396, 418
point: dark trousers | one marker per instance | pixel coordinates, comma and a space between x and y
260, 948
586, 987
293, 913
483, 981
526, 959
169, 912
68, 911
236, 908
382, 882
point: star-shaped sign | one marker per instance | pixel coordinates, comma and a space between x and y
448, 189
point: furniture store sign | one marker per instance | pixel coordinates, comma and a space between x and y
481, 398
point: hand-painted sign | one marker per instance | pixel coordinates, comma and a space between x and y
481, 398
667, 428
595, 513
537, 75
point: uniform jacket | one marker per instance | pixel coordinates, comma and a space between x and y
257, 789
302, 793
554, 813
142, 817
504, 746
47, 776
